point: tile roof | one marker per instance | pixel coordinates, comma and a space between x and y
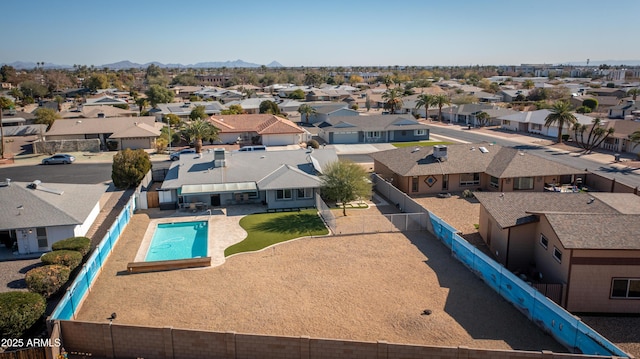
43, 209
263, 124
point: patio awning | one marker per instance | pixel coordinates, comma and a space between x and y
218, 188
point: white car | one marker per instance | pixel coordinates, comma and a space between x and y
176, 155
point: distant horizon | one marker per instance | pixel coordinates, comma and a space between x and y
321, 34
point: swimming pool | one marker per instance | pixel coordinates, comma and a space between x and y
180, 240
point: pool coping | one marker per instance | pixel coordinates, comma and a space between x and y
151, 228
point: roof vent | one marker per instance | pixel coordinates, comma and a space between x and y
416, 149
6, 183
440, 152
483, 149
37, 184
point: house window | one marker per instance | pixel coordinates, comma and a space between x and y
545, 242
283, 194
403, 133
305, 192
469, 179
557, 254
625, 288
523, 183
414, 184
506, 122
536, 127
419, 132
373, 134
41, 232
493, 182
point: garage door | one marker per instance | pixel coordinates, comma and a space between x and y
345, 137
135, 143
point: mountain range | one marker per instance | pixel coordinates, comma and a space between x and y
23, 65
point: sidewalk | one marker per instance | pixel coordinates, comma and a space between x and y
81, 157
627, 160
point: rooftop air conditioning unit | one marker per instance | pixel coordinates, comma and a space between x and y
440, 152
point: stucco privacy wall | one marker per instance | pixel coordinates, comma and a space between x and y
57, 146
127, 341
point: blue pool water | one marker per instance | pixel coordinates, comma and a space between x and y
178, 241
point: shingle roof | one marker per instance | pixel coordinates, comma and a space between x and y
138, 130
501, 162
595, 231
93, 111
43, 209
263, 124
287, 176
98, 125
375, 123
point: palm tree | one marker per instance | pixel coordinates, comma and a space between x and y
634, 92
142, 103
482, 118
635, 138
198, 130
440, 100
307, 111
388, 81
561, 116
394, 100
425, 100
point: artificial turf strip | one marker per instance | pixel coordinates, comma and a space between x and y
265, 229
422, 143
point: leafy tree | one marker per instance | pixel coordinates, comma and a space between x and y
157, 94
393, 99
33, 89
97, 81
269, 107
635, 138
483, 118
185, 80
199, 130
306, 111
233, 110
7, 73
129, 167
388, 81
441, 100
354, 79
561, 116
297, 95
345, 181
17, 93
19, 311
198, 113
313, 79
59, 100
46, 116
591, 103
538, 94
424, 100
583, 109
597, 134
6, 103
367, 103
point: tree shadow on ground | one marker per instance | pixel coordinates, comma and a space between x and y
17, 284
611, 169
24, 270
294, 223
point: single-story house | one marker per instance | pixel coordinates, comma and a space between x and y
265, 129
444, 168
101, 111
467, 114
122, 132
105, 100
606, 91
587, 242
327, 110
533, 122
513, 95
625, 109
619, 140
276, 179
251, 105
183, 110
604, 102
38, 215
373, 129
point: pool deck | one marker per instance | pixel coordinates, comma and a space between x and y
223, 224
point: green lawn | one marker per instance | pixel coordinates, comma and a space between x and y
265, 229
421, 143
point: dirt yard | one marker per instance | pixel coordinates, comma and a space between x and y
364, 287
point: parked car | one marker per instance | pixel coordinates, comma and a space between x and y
176, 155
60, 158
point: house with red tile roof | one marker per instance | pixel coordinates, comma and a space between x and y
258, 129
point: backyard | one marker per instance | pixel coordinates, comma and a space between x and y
362, 287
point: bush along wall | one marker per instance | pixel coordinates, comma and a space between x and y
63, 257
80, 244
19, 311
47, 280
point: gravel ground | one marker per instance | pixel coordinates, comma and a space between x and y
462, 213
12, 274
361, 287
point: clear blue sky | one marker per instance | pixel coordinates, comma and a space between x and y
320, 33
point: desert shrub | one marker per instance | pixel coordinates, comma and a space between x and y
19, 311
313, 144
47, 280
467, 193
64, 257
80, 244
